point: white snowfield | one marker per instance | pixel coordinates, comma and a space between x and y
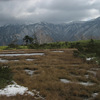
14, 89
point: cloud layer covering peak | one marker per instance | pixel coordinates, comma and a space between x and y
54, 11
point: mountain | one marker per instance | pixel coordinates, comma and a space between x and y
48, 32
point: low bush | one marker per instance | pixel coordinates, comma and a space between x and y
5, 76
12, 46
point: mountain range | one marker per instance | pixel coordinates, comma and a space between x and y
49, 32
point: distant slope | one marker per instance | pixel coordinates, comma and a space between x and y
48, 32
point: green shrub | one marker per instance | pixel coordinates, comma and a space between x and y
76, 53
12, 45
5, 76
33, 46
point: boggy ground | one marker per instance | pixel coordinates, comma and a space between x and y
49, 69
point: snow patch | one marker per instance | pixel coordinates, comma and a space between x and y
3, 60
93, 72
94, 95
38, 96
88, 59
30, 72
95, 69
65, 81
82, 83
14, 89
87, 76
14, 60
29, 59
86, 83
57, 51
27, 54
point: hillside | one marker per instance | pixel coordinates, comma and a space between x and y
48, 32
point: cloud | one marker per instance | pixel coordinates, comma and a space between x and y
56, 11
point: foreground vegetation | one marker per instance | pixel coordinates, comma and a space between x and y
50, 68
88, 49
5, 76
90, 45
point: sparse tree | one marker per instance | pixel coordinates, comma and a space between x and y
31, 40
28, 39
91, 46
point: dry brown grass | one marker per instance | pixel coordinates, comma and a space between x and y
49, 69
17, 97
98, 75
97, 98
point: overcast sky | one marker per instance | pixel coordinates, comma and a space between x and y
54, 11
